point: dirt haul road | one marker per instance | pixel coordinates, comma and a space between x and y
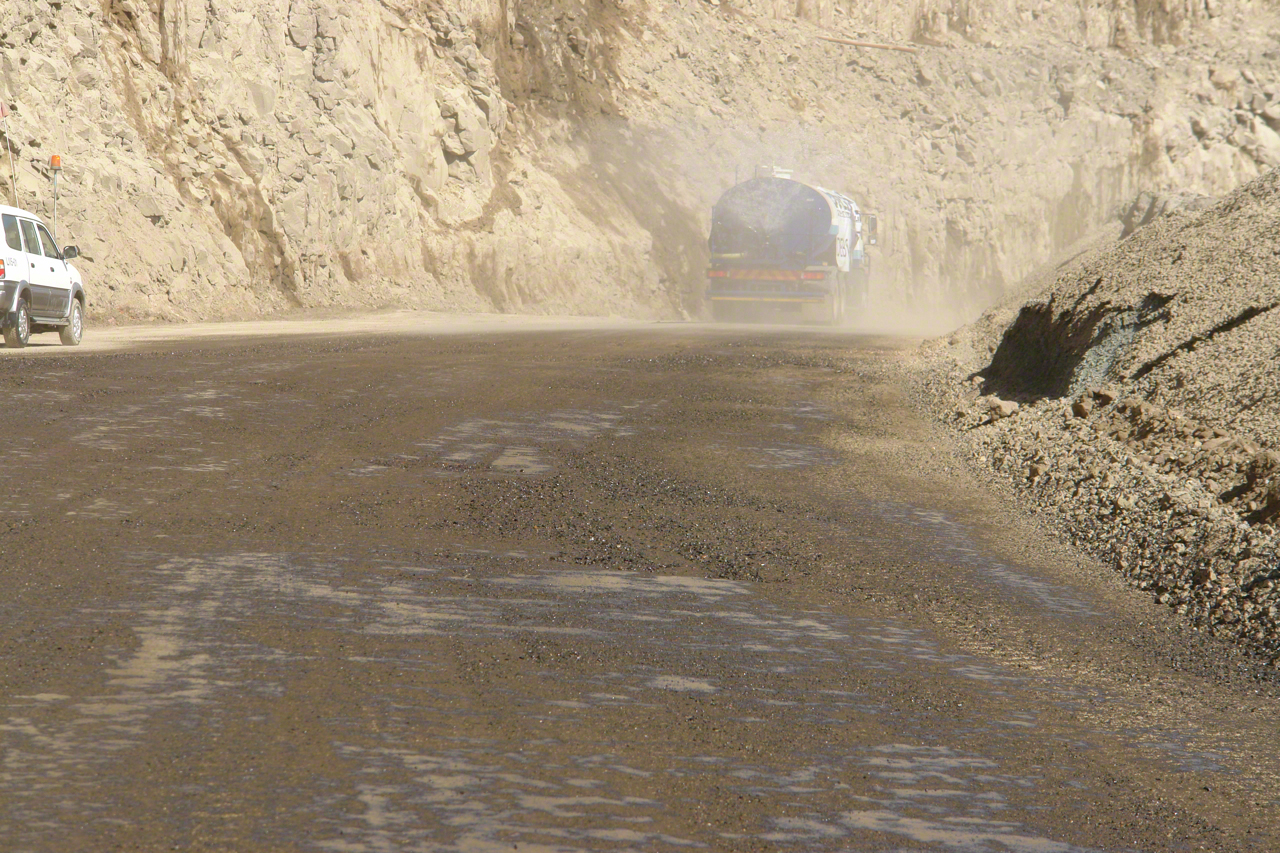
613, 588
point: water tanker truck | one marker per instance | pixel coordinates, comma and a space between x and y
785, 250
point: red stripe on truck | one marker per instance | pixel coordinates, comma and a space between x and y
769, 275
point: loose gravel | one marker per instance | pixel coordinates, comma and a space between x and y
1132, 398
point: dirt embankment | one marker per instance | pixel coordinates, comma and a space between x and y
547, 156
1133, 398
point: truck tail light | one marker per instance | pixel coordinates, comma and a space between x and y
813, 276
717, 273
1, 268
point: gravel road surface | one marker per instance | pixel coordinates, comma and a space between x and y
412, 585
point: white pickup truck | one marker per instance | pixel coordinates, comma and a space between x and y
39, 290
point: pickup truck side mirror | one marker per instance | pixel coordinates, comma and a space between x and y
70, 252
870, 220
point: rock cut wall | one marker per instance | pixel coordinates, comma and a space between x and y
232, 156
1097, 23
229, 157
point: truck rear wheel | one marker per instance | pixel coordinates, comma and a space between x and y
862, 287
19, 334
836, 316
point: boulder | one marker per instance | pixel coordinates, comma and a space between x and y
473, 129
1263, 144
453, 146
1103, 396
1000, 409
1271, 114
302, 29
1225, 79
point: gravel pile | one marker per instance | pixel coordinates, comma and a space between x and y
1134, 400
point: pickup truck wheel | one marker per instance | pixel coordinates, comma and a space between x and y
19, 334
74, 330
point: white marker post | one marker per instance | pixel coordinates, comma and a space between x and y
13, 171
55, 163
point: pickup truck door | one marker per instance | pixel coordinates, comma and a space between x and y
59, 295
39, 270
16, 267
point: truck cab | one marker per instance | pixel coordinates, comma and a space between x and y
39, 288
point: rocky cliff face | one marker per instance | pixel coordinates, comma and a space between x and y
228, 157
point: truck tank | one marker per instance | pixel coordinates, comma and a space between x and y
777, 222
783, 249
